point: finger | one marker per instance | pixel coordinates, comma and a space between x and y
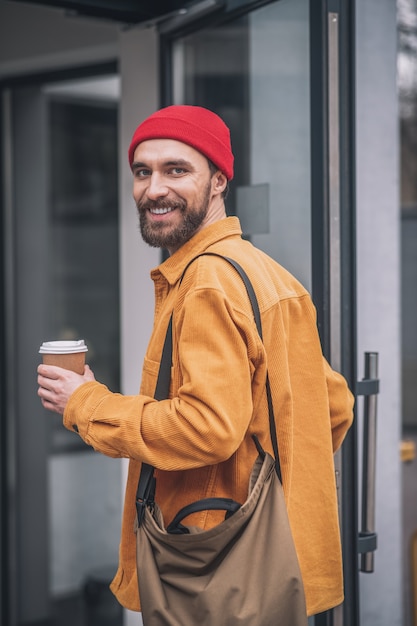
49, 400
50, 371
50, 406
88, 373
42, 381
46, 394
46, 383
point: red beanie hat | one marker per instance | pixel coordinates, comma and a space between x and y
198, 127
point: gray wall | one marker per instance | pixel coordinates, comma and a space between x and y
378, 275
139, 98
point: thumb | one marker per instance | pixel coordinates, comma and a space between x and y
88, 373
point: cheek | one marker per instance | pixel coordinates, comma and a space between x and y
137, 192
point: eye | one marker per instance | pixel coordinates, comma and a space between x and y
177, 170
141, 172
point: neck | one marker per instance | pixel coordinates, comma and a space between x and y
216, 212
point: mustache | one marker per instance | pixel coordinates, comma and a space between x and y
146, 205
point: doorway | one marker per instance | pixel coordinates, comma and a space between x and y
278, 73
62, 281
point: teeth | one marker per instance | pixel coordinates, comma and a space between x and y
161, 211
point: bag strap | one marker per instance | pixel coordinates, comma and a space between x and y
257, 315
206, 504
146, 485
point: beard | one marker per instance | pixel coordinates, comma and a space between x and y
164, 235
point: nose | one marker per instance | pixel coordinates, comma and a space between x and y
157, 187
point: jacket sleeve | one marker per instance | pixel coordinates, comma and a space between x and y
205, 419
341, 403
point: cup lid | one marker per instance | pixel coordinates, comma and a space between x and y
63, 347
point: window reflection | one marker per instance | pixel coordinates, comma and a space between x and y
407, 84
254, 72
84, 293
83, 303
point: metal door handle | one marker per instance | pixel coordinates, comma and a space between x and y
369, 388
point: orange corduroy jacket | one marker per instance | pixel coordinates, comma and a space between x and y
200, 439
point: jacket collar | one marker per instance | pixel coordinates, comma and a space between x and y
173, 267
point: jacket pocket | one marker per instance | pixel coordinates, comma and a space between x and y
150, 373
149, 377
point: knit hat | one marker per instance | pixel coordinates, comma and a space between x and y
196, 126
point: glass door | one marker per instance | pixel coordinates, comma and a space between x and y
254, 72
279, 74
62, 274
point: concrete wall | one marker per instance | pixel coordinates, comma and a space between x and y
139, 98
378, 286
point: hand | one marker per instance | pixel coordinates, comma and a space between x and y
57, 384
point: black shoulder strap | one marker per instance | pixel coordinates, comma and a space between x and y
247, 283
146, 486
257, 316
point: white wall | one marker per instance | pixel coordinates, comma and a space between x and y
139, 98
378, 276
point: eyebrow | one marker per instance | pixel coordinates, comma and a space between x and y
167, 163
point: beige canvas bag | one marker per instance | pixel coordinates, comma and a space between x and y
242, 572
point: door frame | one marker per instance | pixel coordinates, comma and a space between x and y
9, 458
337, 83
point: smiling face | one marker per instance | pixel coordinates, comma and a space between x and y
175, 193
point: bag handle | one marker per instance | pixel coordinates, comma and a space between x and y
206, 504
146, 486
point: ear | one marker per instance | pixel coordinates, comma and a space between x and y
219, 182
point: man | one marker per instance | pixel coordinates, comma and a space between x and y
200, 440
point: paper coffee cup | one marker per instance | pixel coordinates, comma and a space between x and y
67, 354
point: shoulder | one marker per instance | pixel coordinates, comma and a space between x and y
268, 277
